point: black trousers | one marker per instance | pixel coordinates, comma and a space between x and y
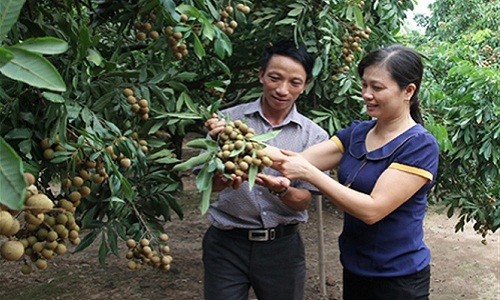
274, 269
411, 287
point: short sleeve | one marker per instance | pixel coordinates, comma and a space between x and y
343, 137
419, 155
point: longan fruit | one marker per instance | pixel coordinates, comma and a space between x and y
128, 92
30, 178
154, 35
163, 237
125, 162
131, 243
48, 154
41, 264
141, 36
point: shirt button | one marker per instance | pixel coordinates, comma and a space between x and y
264, 213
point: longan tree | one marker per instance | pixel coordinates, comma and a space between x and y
96, 97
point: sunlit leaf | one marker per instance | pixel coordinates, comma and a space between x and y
12, 184
33, 69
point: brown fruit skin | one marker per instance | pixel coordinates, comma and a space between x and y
41, 264
163, 237
45, 143
30, 178
177, 35
12, 250
125, 162
48, 154
131, 243
154, 35
39, 203
14, 228
128, 92
141, 36
75, 196
77, 181
267, 161
131, 100
143, 103
85, 191
26, 269
6, 221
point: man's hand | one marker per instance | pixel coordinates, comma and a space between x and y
221, 182
275, 183
214, 125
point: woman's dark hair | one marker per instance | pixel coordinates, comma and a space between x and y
290, 49
405, 66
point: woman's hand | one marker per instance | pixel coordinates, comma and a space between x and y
214, 125
292, 165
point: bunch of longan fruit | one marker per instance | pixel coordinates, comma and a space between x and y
350, 44
227, 22
138, 106
143, 252
238, 151
43, 233
145, 29
176, 40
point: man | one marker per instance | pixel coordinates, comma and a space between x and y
254, 239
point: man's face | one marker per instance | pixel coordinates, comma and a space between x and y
283, 81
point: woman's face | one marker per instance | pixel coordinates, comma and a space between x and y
383, 97
283, 81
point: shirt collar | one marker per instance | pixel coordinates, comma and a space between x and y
357, 146
256, 107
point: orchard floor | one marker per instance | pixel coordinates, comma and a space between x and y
462, 267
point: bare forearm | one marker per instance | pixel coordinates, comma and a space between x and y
357, 204
297, 199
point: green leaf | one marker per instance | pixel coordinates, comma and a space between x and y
202, 143
169, 6
87, 240
94, 56
103, 250
266, 136
199, 50
295, 12
204, 179
5, 56
286, 21
9, 12
12, 184
252, 174
205, 198
44, 45
188, 116
55, 98
33, 69
19, 133
318, 66
192, 162
235, 152
113, 241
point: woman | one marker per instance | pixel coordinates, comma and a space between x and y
385, 168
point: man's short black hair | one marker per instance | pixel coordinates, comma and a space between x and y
288, 48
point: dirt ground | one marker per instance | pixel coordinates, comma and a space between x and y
462, 267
